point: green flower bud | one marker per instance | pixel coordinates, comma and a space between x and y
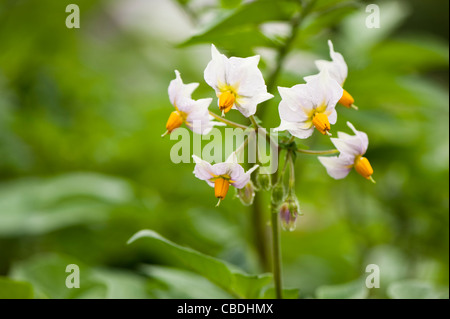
246, 194
278, 194
263, 181
289, 212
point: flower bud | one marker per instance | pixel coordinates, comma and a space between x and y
263, 181
246, 194
289, 212
278, 194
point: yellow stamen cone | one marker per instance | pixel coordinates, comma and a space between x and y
175, 120
226, 101
347, 100
363, 167
221, 186
320, 121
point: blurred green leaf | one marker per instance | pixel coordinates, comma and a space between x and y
227, 4
392, 14
414, 289
121, 284
352, 290
12, 289
226, 276
246, 17
48, 275
176, 283
36, 206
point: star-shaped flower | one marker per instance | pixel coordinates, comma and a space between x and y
238, 82
351, 148
221, 175
194, 113
305, 106
338, 70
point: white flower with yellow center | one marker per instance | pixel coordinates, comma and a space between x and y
351, 148
194, 113
305, 106
338, 70
221, 175
238, 82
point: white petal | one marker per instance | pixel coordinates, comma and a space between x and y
351, 144
226, 168
295, 104
332, 116
247, 105
215, 72
203, 170
232, 158
297, 129
241, 75
179, 92
362, 136
240, 179
339, 69
324, 90
198, 118
337, 167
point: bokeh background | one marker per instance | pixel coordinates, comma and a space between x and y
83, 167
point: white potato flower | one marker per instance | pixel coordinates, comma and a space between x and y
238, 82
221, 175
305, 106
338, 70
351, 148
194, 113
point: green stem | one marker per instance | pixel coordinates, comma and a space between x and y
253, 120
291, 172
260, 231
276, 253
326, 152
228, 122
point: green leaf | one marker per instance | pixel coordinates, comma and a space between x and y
352, 290
121, 284
35, 206
228, 4
47, 274
175, 283
228, 277
240, 41
250, 14
392, 15
415, 289
11, 289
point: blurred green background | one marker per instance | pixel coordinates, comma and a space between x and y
83, 167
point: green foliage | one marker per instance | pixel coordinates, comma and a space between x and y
228, 277
238, 30
414, 289
82, 167
352, 290
38, 206
47, 275
12, 289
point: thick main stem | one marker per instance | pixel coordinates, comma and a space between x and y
276, 254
